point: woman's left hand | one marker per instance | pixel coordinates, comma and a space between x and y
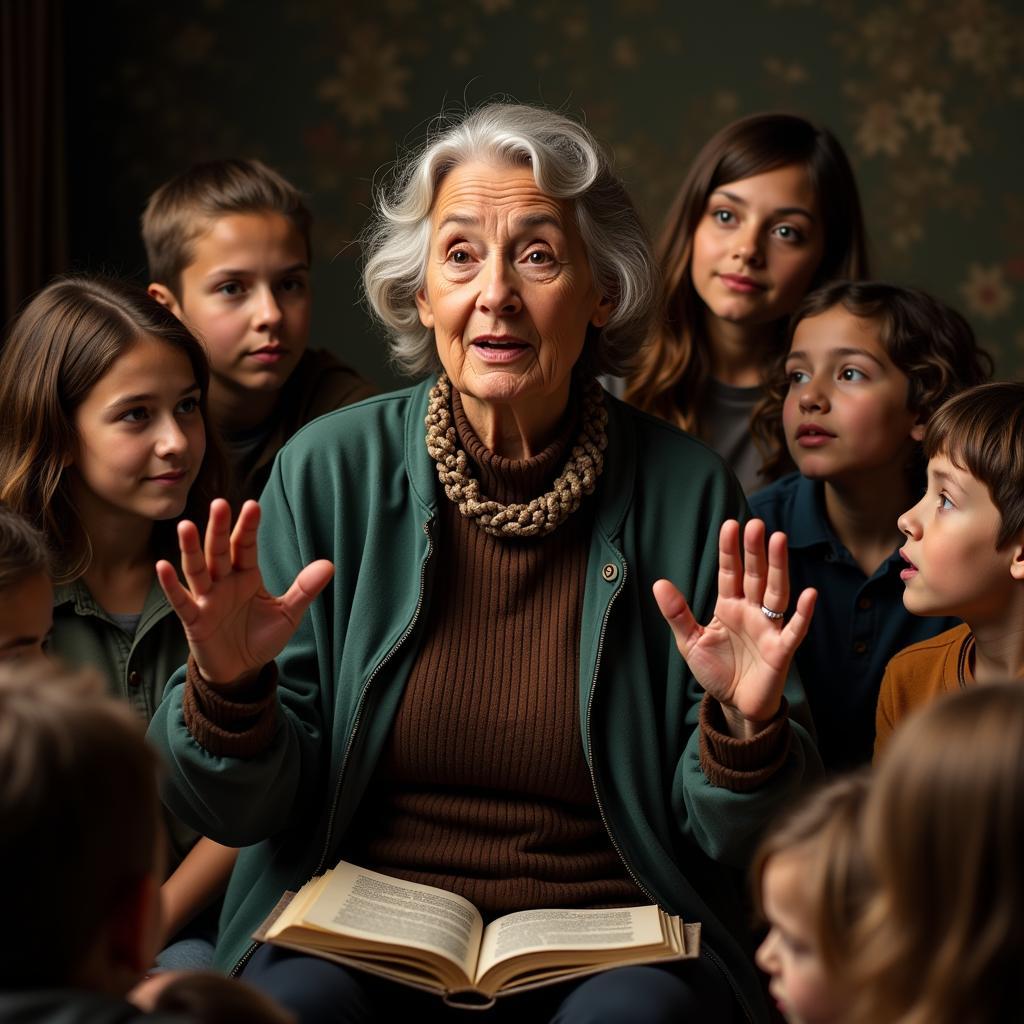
742, 657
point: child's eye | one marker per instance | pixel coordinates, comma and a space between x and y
798, 376
945, 504
293, 284
188, 405
788, 233
852, 373
230, 288
723, 216
137, 415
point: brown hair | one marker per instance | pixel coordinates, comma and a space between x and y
676, 366
79, 817
63, 342
928, 341
23, 550
941, 939
824, 830
182, 209
982, 430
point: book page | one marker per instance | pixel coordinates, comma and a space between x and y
547, 930
383, 909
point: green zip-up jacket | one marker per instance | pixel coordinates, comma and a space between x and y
358, 487
135, 667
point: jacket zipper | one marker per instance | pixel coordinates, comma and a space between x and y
590, 742
236, 970
712, 955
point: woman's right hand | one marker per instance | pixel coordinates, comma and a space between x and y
233, 626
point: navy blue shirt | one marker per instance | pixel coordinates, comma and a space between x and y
859, 622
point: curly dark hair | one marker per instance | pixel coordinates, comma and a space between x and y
929, 342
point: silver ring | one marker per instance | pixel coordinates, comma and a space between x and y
770, 613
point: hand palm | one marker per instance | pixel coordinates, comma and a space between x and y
233, 625
741, 658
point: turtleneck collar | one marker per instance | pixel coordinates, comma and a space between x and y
515, 480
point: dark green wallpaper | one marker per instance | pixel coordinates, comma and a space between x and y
927, 96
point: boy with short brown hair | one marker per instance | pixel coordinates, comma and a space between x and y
81, 851
228, 245
80, 843
964, 554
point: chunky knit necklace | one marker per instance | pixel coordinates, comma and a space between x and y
540, 516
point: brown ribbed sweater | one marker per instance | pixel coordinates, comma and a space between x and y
483, 788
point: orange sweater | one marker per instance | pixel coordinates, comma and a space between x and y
919, 674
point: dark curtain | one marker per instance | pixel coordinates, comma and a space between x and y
33, 205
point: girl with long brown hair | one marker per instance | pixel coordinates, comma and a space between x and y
768, 211
104, 445
943, 834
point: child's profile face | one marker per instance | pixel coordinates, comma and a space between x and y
845, 412
246, 296
800, 985
953, 565
140, 438
758, 246
26, 618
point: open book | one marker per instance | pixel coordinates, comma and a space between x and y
435, 940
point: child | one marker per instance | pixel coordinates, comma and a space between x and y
964, 554
229, 252
768, 210
26, 593
84, 873
809, 884
868, 363
103, 445
943, 835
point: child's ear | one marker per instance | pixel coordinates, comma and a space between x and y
165, 297
426, 310
1017, 565
917, 430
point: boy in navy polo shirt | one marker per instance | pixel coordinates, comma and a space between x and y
867, 365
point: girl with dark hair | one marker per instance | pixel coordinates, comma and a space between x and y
104, 445
867, 365
768, 210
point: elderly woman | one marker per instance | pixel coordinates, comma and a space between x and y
485, 695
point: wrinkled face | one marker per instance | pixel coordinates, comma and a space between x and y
508, 293
246, 296
789, 954
758, 246
845, 412
953, 565
141, 437
26, 618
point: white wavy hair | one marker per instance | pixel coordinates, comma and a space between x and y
567, 163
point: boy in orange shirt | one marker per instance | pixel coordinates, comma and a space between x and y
964, 554
228, 245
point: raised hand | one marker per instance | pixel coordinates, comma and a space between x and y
741, 657
232, 624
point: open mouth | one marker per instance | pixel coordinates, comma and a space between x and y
911, 571
810, 435
499, 350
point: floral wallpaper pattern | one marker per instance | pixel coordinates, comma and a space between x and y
927, 96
